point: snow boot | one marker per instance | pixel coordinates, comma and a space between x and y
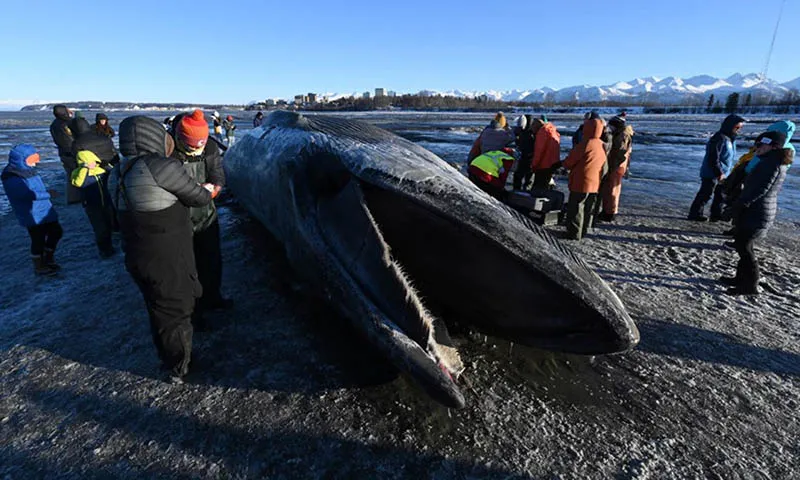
39, 267
47, 258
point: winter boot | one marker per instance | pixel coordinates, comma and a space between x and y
47, 258
39, 267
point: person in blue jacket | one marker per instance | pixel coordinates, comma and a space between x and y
755, 209
30, 201
717, 163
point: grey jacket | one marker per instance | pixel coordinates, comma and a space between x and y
149, 181
495, 138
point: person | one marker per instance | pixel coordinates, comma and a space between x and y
62, 136
756, 207
217, 125
732, 187
525, 145
102, 127
95, 156
618, 161
494, 137
229, 126
717, 163
585, 164
258, 120
202, 160
546, 153
489, 172
155, 193
30, 201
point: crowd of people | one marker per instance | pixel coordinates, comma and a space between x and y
163, 206
168, 174
745, 194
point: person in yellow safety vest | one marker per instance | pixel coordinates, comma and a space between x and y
489, 172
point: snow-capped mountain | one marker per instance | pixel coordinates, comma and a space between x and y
667, 90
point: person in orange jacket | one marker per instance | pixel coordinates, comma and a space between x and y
585, 164
546, 153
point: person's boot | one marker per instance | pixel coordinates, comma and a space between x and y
730, 232
729, 281
697, 217
739, 290
39, 267
49, 261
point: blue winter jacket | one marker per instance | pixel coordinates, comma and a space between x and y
25, 189
721, 150
758, 202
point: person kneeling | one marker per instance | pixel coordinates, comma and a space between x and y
489, 172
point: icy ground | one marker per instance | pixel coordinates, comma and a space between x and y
284, 389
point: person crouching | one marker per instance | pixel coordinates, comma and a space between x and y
585, 164
755, 208
155, 194
30, 201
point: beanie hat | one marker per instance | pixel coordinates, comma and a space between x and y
772, 138
100, 116
501, 120
229, 118
193, 129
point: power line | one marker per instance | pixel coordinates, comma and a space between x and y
772, 45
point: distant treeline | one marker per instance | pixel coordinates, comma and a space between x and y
92, 105
734, 103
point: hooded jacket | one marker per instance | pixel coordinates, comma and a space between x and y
149, 180
721, 150
783, 127
585, 162
525, 141
758, 202
61, 133
25, 189
620, 152
87, 138
547, 148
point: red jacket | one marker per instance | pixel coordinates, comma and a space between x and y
547, 148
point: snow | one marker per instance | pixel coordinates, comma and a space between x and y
285, 390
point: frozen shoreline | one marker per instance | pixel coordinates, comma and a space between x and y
285, 391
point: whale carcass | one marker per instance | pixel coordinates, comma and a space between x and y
390, 232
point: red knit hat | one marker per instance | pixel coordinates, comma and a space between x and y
193, 130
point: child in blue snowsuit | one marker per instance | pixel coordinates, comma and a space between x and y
30, 201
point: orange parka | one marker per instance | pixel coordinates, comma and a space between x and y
585, 161
547, 148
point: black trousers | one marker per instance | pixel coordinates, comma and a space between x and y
747, 271
45, 235
523, 174
208, 260
169, 288
708, 187
103, 220
542, 177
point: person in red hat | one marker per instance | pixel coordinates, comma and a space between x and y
202, 160
229, 128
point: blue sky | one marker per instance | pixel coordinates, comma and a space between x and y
235, 52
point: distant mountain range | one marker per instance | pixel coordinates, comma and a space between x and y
665, 91
668, 90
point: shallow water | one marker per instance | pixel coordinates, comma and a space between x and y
668, 149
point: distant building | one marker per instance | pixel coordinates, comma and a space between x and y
392, 93
312, 98
269, 102
380, 92
366, 95
299, 99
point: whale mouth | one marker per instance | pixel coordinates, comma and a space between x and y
467, 277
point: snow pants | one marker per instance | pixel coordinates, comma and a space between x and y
580, 216
44, 236
747, 271
708, 187
208, 261
611, 189
103, 220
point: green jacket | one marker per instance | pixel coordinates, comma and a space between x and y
203, 168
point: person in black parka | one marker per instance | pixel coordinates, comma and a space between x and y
203, 162
63, 138
96, 197
525, 143
755, 208
154, 200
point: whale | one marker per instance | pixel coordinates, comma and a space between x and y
405, 247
